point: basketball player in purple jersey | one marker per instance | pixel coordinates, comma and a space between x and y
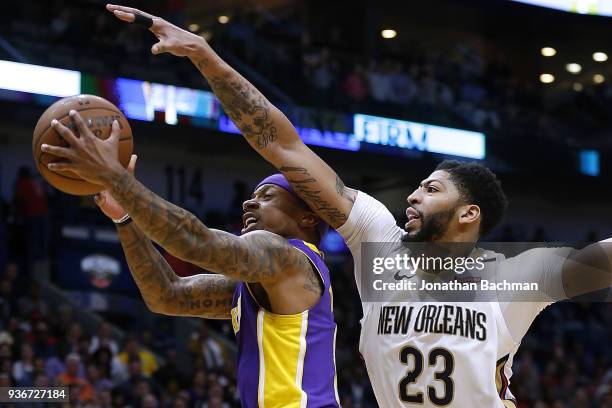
272, 281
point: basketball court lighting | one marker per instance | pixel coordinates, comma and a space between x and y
547, 78
598, 78
600, 56
388, 33
193, 27
223, 19
577, 87
573, 68
548, 51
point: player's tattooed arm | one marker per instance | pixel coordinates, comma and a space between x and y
310, 190
205, 295
273, 136
259, 256
264, 126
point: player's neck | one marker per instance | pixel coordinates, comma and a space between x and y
303, 236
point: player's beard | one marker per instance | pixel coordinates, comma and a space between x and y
432, 226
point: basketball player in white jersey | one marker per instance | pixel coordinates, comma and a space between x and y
417, 352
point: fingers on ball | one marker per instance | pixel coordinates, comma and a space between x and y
64, 131
78, 120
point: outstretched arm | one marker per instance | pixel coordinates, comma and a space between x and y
264, 126
259, 256
589, 269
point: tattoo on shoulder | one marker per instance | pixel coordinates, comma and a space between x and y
246, 107
312, 282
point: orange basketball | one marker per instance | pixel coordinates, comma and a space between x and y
99, 115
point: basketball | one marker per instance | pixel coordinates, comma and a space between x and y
99, 115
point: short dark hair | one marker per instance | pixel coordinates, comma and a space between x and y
478, 185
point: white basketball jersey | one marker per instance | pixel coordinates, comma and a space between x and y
426, 364
439, 354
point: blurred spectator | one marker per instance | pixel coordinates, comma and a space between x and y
71, 378
96, 379
320, 71
170, 375
402, 86
104, 338
8, 300
132, 352
380, 81
149, 401
356, 87
137, 385
70, 340
42, 341
23, 369
109, 365
31, 203
5, 380
210, 349
199, 389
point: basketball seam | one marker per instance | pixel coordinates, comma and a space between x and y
66, 177
81, 110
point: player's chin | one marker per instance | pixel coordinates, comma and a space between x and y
413, 227
250, 228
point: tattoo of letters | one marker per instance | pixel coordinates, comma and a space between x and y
205, 295
305, 185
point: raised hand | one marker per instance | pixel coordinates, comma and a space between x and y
93, 159
171, 38
107, 203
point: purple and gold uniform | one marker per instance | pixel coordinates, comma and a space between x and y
287, 360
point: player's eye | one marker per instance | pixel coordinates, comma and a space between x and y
431, 189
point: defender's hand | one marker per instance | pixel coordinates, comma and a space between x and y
171, 38
107, 203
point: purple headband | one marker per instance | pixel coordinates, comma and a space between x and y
280, 180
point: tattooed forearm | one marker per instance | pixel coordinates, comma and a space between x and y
247, 108
306, 186
207, 296
262, 124
273, 136
257, 257
202, 63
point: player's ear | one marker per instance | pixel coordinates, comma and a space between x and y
469, 214
309, 220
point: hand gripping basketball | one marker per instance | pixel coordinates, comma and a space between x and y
171, 38
107, 203
92, 159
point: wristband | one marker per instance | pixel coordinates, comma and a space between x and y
126, 219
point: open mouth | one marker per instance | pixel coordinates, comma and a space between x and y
413, 217
248, 219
